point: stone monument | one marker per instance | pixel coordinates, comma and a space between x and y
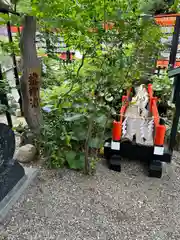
10, 170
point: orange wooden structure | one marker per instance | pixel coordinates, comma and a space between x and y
166, 20
159, 129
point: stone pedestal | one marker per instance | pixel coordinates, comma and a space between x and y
10, 170
9, 177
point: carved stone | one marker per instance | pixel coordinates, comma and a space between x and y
10, 170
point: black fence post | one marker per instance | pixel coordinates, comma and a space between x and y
15, 66
172, 61
48, 42
174, 129
175, 42
4, 101
68, 57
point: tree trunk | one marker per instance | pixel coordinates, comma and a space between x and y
31, 75
89, 133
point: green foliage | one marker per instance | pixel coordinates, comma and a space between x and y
153, 5
4, 88
163, 87
82, 95
3, 108
175, 7
163, 90
23, 6
65, 127
8, 48
56, 74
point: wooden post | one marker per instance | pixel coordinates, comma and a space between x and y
31, 76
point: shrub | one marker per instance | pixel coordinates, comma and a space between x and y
64, 132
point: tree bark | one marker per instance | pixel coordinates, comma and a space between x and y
31, 75
89, 133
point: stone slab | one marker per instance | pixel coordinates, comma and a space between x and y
11, 198
9, 177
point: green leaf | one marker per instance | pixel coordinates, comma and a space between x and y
70, 158
101, 119
73, 117
66, 105
75, 161
80, 161
94, 143
80, 134
74, 138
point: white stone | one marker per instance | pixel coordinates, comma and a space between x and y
18, 113
26, 153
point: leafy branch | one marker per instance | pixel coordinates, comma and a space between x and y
73, 82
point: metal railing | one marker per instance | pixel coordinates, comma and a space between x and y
4, 100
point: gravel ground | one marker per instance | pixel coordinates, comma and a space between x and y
70, 206
66, 205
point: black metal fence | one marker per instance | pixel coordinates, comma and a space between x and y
4, 98
3, 92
